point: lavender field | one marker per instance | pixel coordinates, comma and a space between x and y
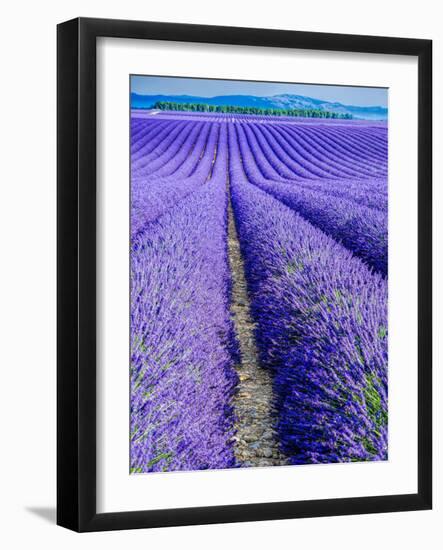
259, 264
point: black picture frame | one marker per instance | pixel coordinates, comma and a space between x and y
76, 280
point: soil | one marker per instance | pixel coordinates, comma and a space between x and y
255, 440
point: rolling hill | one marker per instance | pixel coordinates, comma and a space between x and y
283, 101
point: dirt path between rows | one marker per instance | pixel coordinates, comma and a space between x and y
255, 439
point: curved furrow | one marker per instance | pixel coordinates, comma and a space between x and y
283, 164
144, 127
262, 161
366, 142
322, 165
357, 168
150, 140
165, 149
331, 167
373, 136
183, 160
302, 157
341, 147
298, 133
281, 137
160, 142
305, 170
365, 146
283, 161
156, 143
342, 142
151, 199
137, 125
250, 162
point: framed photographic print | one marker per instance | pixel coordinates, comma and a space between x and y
244, 274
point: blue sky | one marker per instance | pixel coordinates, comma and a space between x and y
348, 95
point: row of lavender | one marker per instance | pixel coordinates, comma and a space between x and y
183, 347
310, 203
321, 317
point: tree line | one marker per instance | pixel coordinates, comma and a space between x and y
205, 108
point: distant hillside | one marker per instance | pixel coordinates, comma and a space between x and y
283, 101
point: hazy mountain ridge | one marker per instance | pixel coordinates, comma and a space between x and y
283, 101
